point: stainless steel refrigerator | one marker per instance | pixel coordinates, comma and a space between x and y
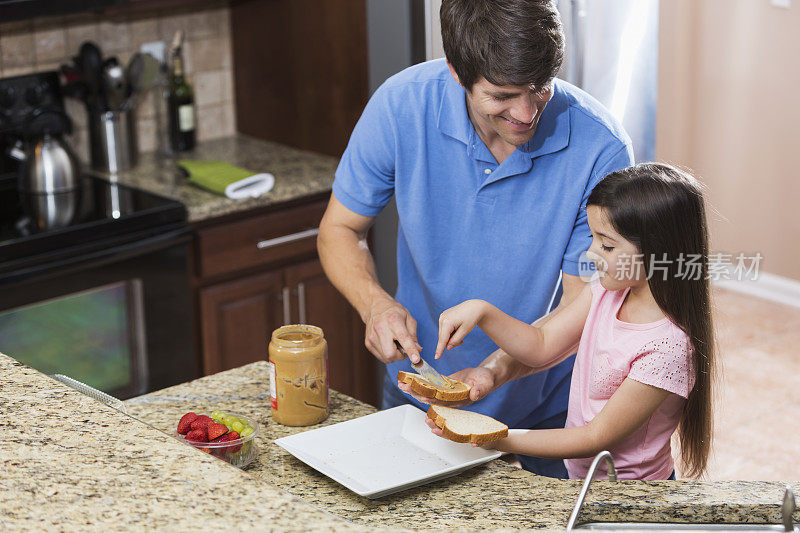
612, 53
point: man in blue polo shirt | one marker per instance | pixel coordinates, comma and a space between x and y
491, 160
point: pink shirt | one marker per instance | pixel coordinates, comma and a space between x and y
657, 354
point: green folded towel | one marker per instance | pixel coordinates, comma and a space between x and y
214, 176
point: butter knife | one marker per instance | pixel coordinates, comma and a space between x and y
425, 370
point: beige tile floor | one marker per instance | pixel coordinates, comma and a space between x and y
758, 406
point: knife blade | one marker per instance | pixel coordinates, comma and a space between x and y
425, 370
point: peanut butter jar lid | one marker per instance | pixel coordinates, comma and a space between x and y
298, 336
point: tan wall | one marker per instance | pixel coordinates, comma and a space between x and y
729, 109
44, 44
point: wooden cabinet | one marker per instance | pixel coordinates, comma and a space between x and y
319, 303
237, 318
258, 272
300, 70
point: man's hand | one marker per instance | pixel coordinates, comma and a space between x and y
456, 322
480, 379
345, 256
386, 321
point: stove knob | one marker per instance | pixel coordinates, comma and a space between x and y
7, 97
34, 95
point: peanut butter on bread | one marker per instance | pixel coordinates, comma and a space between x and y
423, 387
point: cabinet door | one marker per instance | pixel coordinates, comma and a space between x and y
237, 319
351, 368
284, 101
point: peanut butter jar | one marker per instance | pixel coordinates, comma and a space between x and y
298, 361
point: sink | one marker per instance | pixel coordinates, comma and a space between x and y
675, 526
787, 510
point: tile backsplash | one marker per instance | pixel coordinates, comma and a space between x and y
45, 44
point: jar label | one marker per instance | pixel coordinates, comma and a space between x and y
186, 117
273, 392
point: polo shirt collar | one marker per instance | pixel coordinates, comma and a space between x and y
453, 119
552, 132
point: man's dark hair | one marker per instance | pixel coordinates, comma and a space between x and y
508, 42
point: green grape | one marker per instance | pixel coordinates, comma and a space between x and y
246, 431
238, 427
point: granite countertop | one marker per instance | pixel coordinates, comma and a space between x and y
298, 173
70, 463
495, 495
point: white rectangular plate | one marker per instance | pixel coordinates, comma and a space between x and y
384, 452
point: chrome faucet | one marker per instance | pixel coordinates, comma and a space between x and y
612, 476
787, 510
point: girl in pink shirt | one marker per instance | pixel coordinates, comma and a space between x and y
643, 327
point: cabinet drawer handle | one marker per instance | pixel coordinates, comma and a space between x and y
269, 243
287, 306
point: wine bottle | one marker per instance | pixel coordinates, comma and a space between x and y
182, 122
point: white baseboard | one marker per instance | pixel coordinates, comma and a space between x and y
767, 286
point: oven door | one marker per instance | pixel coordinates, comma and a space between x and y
118, 318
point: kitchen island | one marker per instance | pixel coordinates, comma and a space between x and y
495, 495
70, 463
74, 464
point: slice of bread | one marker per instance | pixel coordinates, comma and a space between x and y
459, 425
422, 386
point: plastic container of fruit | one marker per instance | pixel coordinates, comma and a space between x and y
239, 452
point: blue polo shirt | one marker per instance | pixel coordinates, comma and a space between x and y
470, 228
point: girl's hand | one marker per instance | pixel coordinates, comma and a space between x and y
456, 322
487, 445
511, 443
436, 430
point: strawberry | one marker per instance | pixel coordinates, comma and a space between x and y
221, 440
201, 421
215, 430
185, 423
197, 435
218, 452
233, 435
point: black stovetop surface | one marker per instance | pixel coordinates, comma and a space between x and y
97, 210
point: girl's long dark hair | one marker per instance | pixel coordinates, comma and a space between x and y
660, 209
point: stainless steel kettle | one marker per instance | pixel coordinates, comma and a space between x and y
49, 180
50, 166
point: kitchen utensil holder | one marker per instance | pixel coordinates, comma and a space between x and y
112, 139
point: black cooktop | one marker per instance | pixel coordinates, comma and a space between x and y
97, 213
